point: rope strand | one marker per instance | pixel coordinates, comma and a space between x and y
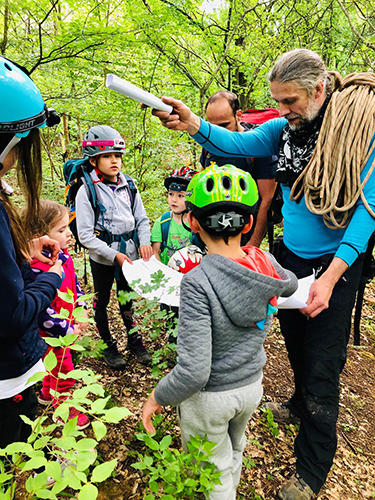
331, 181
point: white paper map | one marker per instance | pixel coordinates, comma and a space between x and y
299, 297
148, 273
142, 274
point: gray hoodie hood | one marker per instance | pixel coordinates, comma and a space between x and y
246, 300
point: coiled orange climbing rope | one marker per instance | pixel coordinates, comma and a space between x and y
331, 181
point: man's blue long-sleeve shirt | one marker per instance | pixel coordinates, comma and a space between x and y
305, 233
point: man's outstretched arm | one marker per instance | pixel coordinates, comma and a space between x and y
181, 118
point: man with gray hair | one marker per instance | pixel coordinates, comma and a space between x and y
326, 157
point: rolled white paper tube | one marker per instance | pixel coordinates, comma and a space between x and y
113, 82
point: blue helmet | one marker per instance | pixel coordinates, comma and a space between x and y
22, 106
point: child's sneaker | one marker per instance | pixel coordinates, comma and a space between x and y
83, 420
114, 359
44, 399
136, 347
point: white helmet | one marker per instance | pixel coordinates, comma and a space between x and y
102, 139
185, 259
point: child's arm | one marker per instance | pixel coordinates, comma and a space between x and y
142, 225
156, 246
54, 327
121, 258
146, 252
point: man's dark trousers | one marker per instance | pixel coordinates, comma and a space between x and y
317, 353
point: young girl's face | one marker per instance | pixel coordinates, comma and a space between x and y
176, 201
109, 165
61, 232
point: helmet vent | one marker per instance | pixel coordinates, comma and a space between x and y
209, 185
7, 67
226, 182
243, 184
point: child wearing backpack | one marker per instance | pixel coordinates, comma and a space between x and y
226, 310
53, 220
114, 233
168, 234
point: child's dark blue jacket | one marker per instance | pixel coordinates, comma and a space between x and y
21, 300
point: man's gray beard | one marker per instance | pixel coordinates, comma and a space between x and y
311, 113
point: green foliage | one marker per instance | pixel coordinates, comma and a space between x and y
173, 474
156, 322
47, 449
267, 419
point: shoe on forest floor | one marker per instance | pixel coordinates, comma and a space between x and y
296, 488
83, 420
44, 399
136, 347
281, 413
114, 359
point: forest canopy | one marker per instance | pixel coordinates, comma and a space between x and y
169, 47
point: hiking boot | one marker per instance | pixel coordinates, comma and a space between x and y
83, 420
281, 413
114, 359
136, 347
44, 399
296, 488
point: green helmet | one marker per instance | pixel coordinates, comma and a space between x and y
222, 188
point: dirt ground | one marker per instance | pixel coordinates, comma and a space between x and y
268, 460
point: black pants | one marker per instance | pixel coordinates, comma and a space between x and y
317, 353
12, 427
103, 277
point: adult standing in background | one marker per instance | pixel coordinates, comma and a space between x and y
223, 109
326, 160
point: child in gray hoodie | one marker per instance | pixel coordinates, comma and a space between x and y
227, 304
118, 235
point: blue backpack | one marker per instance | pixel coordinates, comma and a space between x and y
76, 173
165, 224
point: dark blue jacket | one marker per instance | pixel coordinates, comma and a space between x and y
21, 300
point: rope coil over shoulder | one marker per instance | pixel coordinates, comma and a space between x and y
331, 181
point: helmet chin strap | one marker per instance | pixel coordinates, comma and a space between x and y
15, 140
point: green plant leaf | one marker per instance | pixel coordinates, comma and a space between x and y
34, 463
100, 430
36, 377
165, 442
114, 415
88, 492
151, 443
18, 447
86, 444
99, 404
5, 477
103, 471
50, 361
52, 341
77, 347
66, 296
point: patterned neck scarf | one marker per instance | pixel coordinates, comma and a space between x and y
296, 148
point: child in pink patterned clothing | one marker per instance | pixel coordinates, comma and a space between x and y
53, 220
